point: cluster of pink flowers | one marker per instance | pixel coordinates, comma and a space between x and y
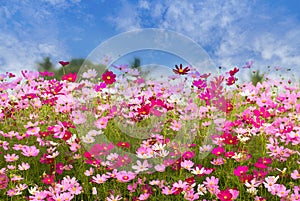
214, 141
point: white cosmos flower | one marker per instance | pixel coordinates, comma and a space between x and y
91, 73
197, 170
94, 133
158, 146
88, 139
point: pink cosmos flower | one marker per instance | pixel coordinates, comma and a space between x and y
100, 179
3, 181
144, 196
160, 167
140, 167
63, 196
30, 151
101, 123
270, 181
30, 75
217, 161
191, 195
282, 191
295, 174
13, 192
113, 198
211, 182
11, 157
187, 164
38, 195
295, 196
175, 125
235, 193
167, 190
125, 176
23, 166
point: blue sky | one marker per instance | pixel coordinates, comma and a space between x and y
232, 31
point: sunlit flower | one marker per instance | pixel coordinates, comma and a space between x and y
180, 70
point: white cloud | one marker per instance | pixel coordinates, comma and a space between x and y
127, 19
231, 31
29, 32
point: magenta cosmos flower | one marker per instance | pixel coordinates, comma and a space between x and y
109, 77
218, 151
240, 170
224, 195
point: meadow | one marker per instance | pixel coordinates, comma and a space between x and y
196, 136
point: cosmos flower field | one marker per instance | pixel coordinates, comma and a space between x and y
110, 137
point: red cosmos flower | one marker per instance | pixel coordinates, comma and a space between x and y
48, 179
224, 195
190, 180
260, 173
109, 77
46, 160
64, 63
71, 77
93, 161
229, 154
44, 133
246, 178
234, 71
67, 135
231, 80
180, 70
229, 107
29, 96
10, 75
229, 139
68, 124
123, 144
144, 110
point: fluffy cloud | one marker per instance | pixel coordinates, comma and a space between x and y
231, 31
29, 32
